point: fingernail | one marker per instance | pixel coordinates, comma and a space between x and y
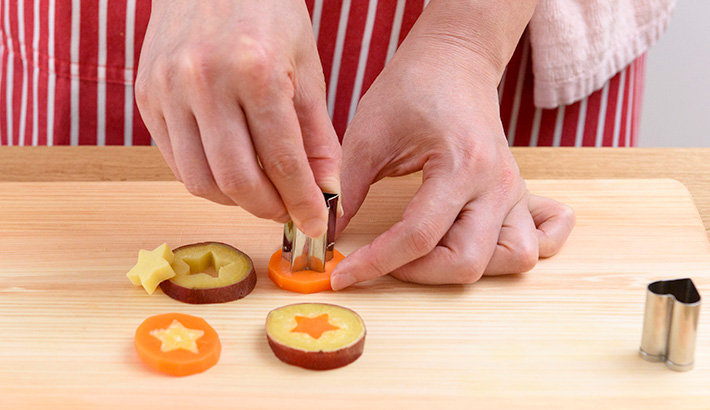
341, 281
341, 212
315, 227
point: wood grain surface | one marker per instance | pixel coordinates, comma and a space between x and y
565, 334
691, 166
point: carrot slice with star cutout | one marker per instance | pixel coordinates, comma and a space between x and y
305, 281
315, 336
177, 344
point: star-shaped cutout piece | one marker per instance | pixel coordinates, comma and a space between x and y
177, 336
314, 326
152, 268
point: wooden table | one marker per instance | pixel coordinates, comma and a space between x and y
522, 324
691, 166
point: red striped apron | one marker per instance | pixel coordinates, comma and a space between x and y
68, 68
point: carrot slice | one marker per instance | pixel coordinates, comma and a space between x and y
305, 281
177, 344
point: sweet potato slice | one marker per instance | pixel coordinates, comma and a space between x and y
315, 336
235, 278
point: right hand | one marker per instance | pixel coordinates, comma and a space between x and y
232, 92
434, 108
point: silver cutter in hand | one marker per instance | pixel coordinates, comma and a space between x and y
306, 253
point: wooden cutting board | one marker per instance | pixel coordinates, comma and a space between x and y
566, 333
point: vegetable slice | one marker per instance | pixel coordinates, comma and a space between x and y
152, 268
305, 281
235, 278
315, 336
177, 344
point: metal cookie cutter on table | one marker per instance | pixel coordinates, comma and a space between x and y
670, 323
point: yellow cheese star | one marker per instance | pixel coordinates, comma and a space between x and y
177, 336
152, 268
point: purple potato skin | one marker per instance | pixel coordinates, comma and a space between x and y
214, 295
318, 360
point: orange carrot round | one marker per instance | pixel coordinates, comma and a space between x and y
177, 344
305, 281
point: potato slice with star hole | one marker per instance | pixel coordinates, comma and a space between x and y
315, 336
235, 275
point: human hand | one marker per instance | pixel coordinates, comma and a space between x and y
520, 244
232, 92
434, 109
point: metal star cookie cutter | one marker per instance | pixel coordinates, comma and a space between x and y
670, 324
303, 252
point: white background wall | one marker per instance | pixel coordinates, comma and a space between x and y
676, 111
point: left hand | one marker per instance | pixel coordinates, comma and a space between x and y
431, 109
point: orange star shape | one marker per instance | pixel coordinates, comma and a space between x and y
314, 326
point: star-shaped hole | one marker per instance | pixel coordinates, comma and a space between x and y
210, 265
207, 263
314, 326
176, 336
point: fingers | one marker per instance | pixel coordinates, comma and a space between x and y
517, 250
554, 222
155, 123
159, 133
517, 247
190, 158
213, 151
468, 249
277, 137
428, 216
360, 167
224, 77
319, 138
356, 180
232, 158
